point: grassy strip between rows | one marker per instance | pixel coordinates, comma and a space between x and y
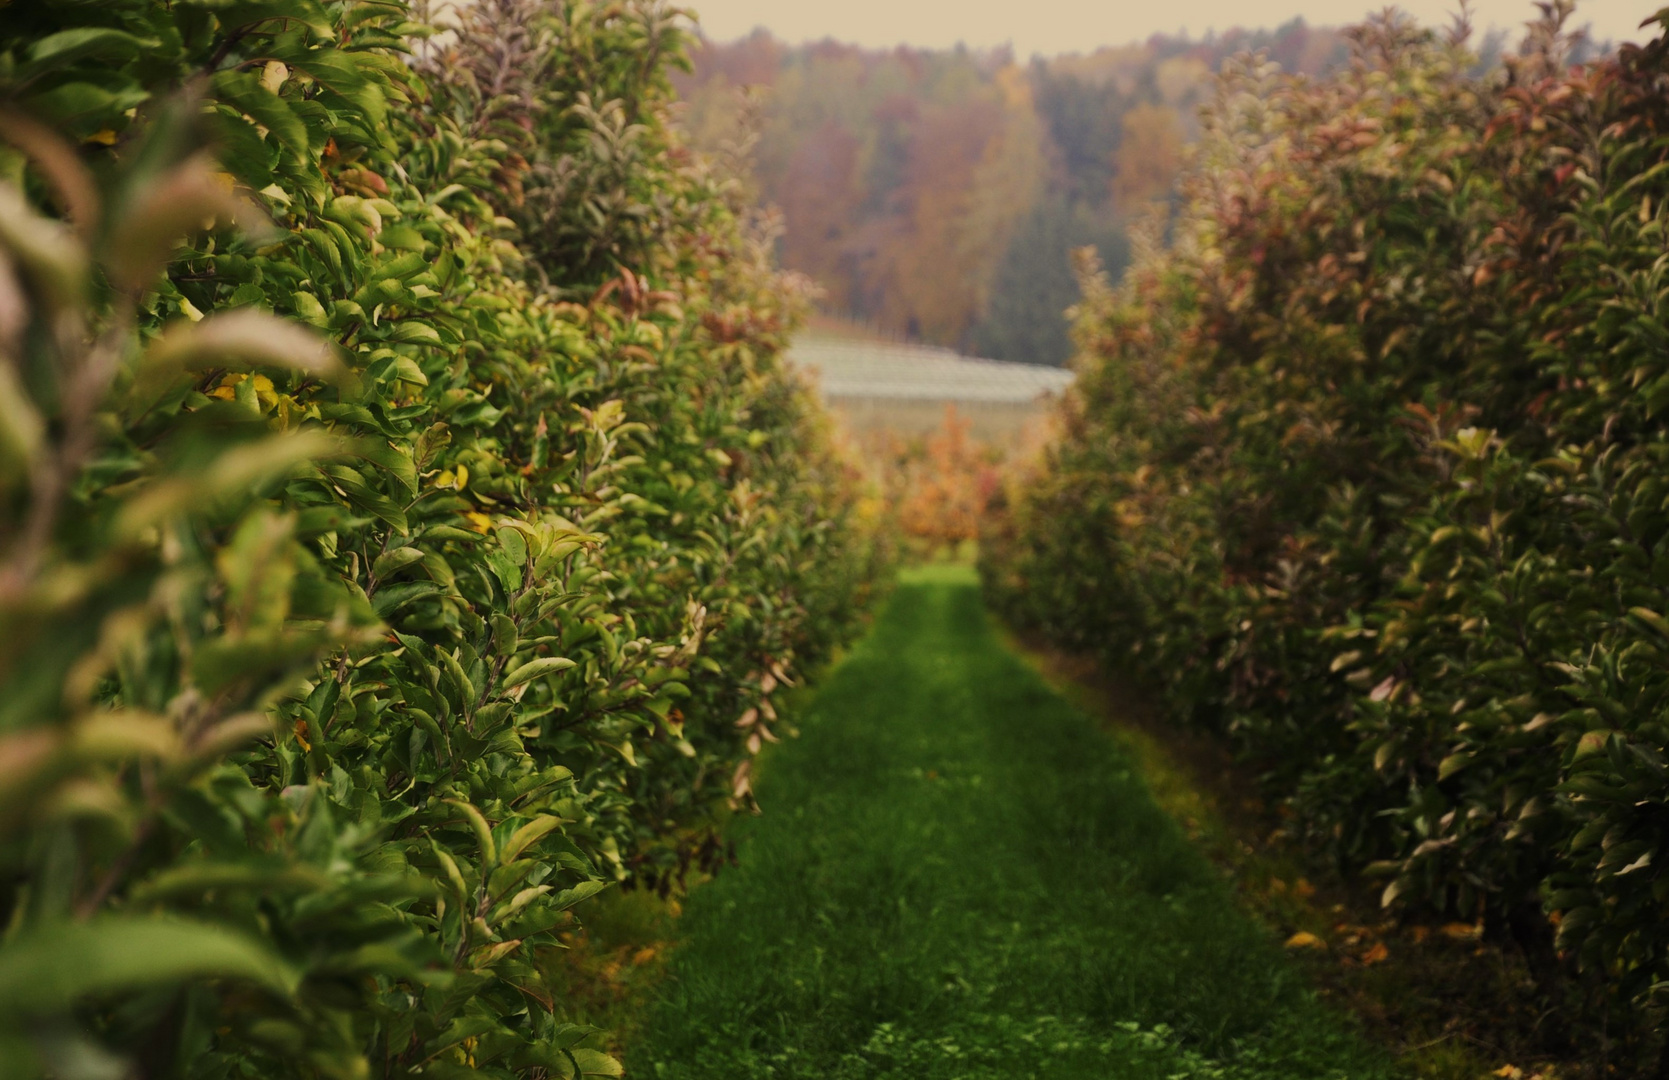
958, 875
1448, 1003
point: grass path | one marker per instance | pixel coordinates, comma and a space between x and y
958, 876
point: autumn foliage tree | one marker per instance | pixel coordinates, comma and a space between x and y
940, 486
940, 193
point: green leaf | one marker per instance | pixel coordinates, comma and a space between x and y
449, 867
67, 46
596, 1063
194, 879
529, 834
243, 91
392, 562
242, 149
513, 543
391, 598
84, 105
21, 427
406, 369
459, 678
240, 14
393, 458
483, 831
49, 968
332, 67
413, 332
585, 890
1651, 619
534, 669
1453, 764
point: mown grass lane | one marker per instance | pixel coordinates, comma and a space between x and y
957, 875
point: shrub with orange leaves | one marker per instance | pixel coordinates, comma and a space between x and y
941, 486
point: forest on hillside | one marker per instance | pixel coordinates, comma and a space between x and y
937, 195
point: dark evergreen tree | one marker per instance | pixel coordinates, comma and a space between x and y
1035, 286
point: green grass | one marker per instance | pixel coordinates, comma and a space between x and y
958, 876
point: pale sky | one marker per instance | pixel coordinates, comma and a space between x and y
1061, 26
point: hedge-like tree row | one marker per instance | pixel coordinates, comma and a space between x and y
412, 553
1370, 472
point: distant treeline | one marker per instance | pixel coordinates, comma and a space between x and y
939, 193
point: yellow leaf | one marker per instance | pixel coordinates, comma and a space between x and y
274, 75
1305, 940
1592, 742
1378, 954
1651, 619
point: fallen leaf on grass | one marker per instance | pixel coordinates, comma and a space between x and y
1305, 940
1377, 954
